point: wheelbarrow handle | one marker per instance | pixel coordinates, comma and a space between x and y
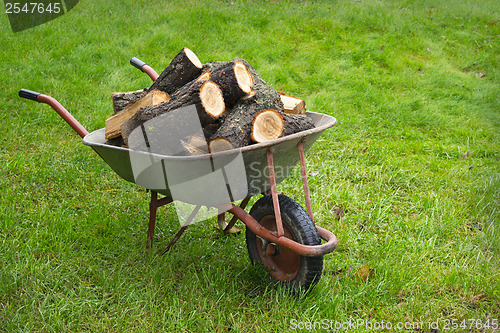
139, 64
41, 98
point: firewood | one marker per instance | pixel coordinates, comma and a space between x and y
122, 99
235, 131
263, 93
209, 130
205, 95
267, 125
183, 68
212, 65
292, 104
234, 79
206, 75
295, 123
114, 122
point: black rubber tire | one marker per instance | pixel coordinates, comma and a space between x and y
300, 224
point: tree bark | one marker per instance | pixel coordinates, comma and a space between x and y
184, 67
295, 123
122, 99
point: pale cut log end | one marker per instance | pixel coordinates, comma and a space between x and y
211, 99
243, 77
193, 58
206, 75
219, 144
267, 125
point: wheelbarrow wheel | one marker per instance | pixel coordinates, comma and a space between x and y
293, 271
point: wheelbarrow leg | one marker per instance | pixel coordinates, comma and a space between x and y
229, 227
183, 228
154, 204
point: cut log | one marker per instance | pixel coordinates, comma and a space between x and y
184, 67
234, 79
295, 123
205, 95
235, 131
263, 94
122, 99
114, 122
292, 104
267, 125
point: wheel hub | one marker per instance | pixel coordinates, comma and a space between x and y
281, 263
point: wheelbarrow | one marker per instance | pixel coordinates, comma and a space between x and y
280, 233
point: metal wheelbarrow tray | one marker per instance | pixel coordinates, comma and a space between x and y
280, 233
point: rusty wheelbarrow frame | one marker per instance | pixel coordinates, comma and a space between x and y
269, 155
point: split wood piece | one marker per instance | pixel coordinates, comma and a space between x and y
295, 123
292, 104
195, 145
267, 125
114, 122
205, 95
184, 67
234, 79
122, 99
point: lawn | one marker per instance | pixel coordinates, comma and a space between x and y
408, 180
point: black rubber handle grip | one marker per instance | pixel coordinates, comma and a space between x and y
28, 94
138, 63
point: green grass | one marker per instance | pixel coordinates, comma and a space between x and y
401, 77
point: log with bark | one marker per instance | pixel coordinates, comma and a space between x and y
184, 68
234, 79
235, 131
122, 99
114, 122
205, 95
295, 123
